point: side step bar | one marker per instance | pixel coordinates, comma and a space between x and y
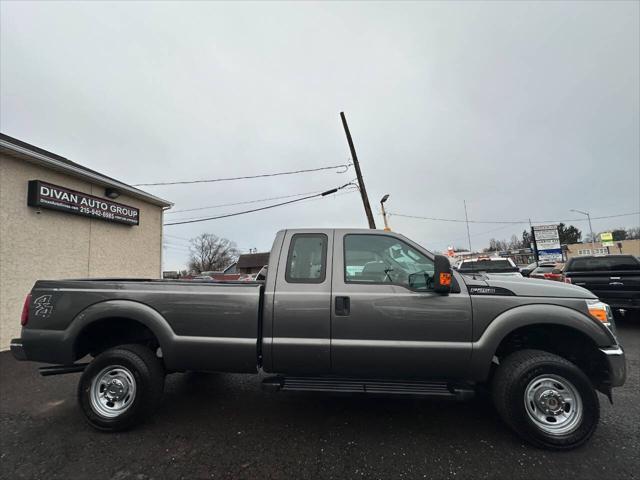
368, 385
61, 369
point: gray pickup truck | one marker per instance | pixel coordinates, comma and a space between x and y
341, 310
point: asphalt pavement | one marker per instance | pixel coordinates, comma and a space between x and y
225, 426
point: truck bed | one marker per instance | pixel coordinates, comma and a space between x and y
187, 317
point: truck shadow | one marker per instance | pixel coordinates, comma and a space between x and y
236, 403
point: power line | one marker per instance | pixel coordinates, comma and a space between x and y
307, 199
512, 222
176, 236
242, 203
323, 194
246, 177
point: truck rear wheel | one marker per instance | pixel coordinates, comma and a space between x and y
121, 387
546, 399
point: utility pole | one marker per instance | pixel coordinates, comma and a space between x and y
466, 217
356, 164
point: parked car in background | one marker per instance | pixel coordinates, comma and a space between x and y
494, 265
526, 271
548, 271
614, 279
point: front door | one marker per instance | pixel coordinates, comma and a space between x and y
386, 320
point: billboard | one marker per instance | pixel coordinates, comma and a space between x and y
46, 195
548, 242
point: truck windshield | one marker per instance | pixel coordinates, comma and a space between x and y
495, 266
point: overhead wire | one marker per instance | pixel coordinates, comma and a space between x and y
246, 202
345, 166
322, 194
511, 222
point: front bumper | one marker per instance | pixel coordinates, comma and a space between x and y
17, 349
617, 364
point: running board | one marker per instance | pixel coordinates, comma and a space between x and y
62, 369
367, 385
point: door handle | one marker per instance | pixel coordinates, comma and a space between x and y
343, 306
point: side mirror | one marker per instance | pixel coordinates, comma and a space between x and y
442, 275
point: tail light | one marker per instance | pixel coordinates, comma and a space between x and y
553, 276
24, 318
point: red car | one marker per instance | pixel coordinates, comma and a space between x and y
548, 271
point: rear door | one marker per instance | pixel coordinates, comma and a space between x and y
386, 321
302, 304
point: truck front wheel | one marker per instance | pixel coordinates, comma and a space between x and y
546, 399
121, 387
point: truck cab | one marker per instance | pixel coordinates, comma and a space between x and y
347, 302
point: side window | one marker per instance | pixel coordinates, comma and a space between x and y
307, 259
380, 259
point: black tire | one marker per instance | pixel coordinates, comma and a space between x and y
147, 373
510, 383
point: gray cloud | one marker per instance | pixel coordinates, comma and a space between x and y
523, 109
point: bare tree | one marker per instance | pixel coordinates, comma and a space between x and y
633, 233
211, 253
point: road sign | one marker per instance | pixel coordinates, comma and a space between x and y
606, 237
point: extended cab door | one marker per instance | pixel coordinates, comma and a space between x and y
302, 304
386, 320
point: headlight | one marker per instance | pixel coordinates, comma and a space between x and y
602, 312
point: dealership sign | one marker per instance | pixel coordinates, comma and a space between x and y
54, 197
548, 242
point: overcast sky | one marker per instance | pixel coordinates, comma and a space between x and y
526, 110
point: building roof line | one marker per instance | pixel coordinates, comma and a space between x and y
36, 155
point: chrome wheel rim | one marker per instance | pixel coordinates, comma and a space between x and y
553, 404
112, 391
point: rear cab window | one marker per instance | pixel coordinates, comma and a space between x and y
307, 258
498, 266
603, 264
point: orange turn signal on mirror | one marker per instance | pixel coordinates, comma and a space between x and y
599, 313
445, 279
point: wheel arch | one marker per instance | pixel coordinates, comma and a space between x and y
540, 317
112, 316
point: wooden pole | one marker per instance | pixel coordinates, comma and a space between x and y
356, 164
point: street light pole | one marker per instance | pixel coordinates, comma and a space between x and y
593, 246
466, 217
384, 213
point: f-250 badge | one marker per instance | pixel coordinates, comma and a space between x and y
43, 306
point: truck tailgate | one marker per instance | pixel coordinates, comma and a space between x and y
618, 289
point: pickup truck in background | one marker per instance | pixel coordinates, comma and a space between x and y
341, 310
492, 265
615, 279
